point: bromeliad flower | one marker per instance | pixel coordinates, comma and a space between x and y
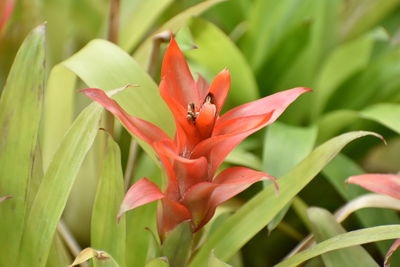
203, 139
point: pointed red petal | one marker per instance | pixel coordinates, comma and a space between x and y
387, 184
201, 86
4, 198
142, 192
390, 252
144, 130
7, 9
202, 199
276, 103
179, 81
220, 88
170, 213
232, 133
186, 133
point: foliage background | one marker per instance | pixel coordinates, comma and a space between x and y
346, 50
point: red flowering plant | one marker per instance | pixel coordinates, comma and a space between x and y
202, 141
386, 184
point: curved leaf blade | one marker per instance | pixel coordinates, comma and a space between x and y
20, 114
346, 240
253, 216
106, 233
55, 187
324, 226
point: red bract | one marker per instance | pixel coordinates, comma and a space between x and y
203, 139
387, 184
6, 8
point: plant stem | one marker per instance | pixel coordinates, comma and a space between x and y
69, 240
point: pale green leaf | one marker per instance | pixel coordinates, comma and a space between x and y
386, 113
346, 240
55, 187
58, 110
159, 262
344, 61
324, 226
260, 210
361, 15
291, 143
286, 142
138, 239
178, 244
213, 261
136, 18
142, 54
20, 112
113, 69
106, 233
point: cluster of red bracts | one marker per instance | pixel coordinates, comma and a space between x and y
203, 139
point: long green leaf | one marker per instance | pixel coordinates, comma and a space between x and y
215, 56
361, 15
324, 226
106, 233
138, 239
260, 210
285, 142
20, 112
346, 240
344, 61
385, 113
113, 69
142, 54
58, 110
53, 192
136, 18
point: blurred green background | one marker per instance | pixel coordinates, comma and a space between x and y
347, 51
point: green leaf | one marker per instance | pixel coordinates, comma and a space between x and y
334, 122
285, 142
115, 69
324, 226
178, 245
59, 255
385, 113
254, 215
138, 239
323, 15
159, 262
216, 56
20, 113
239, 156
53, 192
99, 257
361, 15
213, 261
344, 61
142, 54
106, 233
136, 19
346, 240
291, 143
58, 110
265, 32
